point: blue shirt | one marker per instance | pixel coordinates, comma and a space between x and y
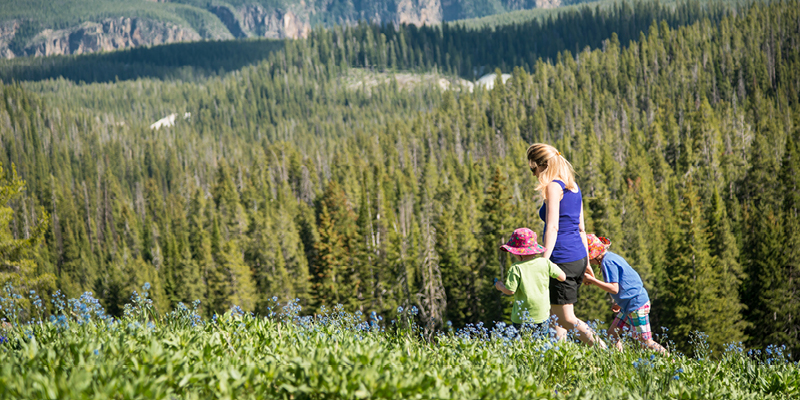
631, 295
569, 247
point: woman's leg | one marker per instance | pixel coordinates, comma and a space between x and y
568, 321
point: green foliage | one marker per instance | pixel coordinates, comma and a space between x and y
17, 262
82, 353
288, 179
454, 48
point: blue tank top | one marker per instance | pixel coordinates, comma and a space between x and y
568, 247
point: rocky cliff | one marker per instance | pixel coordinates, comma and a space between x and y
89, 37
419, 12
273, 24
8, 30
251, 19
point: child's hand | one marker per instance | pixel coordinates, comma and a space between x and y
615, 308
588, 279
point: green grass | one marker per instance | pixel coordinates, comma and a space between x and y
81, 353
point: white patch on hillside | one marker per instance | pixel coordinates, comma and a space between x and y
487, 81
168, 121
362, 79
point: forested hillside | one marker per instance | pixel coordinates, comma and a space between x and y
46, 27
457, 49
286, 181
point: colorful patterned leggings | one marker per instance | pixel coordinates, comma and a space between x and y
638, 322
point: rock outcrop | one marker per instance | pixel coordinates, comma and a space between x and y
110, 34
251, 19
273, 24
228, 18
548, 3
8, 30
419, 12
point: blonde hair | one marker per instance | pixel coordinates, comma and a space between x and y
555, 166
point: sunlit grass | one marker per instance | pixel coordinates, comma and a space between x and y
80, 352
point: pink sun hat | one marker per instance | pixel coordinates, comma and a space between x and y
598, 245
523, 243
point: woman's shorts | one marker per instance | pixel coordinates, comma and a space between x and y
567, 292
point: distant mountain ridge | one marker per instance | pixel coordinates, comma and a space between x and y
43, 27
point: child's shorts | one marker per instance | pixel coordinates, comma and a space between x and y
637, 321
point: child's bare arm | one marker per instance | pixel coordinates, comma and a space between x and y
612, 288
562, 277
501, 287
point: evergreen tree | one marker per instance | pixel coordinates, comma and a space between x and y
790, 179
219, 275
17, 265
455, 273
767, 280
690, 294
495, 210
330, 253
728, 324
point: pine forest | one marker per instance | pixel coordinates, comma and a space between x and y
307, 169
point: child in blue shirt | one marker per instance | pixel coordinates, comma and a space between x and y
632, 304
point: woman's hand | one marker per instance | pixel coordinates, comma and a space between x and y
615, 308
590, 270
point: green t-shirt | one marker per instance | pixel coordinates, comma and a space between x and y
529, 280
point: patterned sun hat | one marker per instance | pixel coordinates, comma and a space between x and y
523, 243
597, 245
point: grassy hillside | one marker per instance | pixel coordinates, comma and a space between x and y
288, 180
81, 353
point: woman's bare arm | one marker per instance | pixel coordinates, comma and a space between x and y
553, 201
582, 229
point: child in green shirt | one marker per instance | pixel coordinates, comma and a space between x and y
528, 280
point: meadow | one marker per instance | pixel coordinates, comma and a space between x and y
297, 185
81, 352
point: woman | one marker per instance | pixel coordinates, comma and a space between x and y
564, 236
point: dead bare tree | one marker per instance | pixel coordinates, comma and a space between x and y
431, 299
